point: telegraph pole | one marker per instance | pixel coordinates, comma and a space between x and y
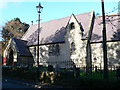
104, 43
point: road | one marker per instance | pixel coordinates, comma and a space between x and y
6, 83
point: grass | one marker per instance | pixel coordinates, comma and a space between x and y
98, 75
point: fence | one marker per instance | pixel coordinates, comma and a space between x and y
67, 77
96, 71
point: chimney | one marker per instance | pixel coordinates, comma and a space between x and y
31, 22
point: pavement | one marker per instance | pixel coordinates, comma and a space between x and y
28, 83
7, 80
10, 85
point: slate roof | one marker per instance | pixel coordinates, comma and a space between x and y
54, 31
22, 47
112, 28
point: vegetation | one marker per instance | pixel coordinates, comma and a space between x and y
14, 28
64, 78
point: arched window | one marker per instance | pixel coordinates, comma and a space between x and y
50, 50
72, 26
54, 50
34, 51
72, 47
57, 49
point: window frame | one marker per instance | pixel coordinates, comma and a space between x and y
72, 25
54, 50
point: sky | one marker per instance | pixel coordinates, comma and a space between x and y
27, 12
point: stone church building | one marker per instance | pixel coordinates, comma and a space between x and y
74, 40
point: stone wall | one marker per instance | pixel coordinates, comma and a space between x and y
66, 58
113, 54
45, 59
74, 36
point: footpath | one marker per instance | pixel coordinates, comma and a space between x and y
29, 83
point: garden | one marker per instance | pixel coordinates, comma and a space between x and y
67, 78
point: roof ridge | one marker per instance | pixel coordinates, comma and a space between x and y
65, 17
27, 31
20, 39
108, 15
55, 19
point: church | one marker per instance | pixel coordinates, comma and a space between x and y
75, 40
